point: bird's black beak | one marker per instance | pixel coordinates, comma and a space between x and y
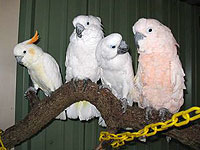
122, 48
79, 29
19, 59
138, 36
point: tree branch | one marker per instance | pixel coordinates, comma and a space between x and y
110, 108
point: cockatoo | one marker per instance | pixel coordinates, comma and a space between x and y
116, 68
160, 76
42, 67
81, 62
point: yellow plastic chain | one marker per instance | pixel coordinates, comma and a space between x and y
1, 143
121, 138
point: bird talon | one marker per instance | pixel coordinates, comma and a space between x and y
75, 85
148, 113
32, 101
85, 83
32, 89
124, 104
162, 114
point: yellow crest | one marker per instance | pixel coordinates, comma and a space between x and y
34, 38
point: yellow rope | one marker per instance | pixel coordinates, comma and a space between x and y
121, 138
1, 143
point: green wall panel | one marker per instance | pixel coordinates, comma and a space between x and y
53, 20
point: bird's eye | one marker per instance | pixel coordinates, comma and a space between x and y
150, 30
88, 23
113, 46
24, 52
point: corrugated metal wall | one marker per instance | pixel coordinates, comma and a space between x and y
53, 20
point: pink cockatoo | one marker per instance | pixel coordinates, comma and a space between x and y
160, 76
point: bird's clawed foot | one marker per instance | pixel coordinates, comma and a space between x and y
148, 113
162, 113
31, 95
30, 89
75, 85
85, 83
124, 104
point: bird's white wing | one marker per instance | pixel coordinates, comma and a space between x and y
68, 75
138, 87
52, 71
177, 79
34, 83
137, 78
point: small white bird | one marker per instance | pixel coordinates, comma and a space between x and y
81, 62
42, 67
116, 68
80, 57
160, 76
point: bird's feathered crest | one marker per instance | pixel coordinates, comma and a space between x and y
34, 38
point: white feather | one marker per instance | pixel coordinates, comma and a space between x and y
116, 69
42, 68
83, 111
177, 78
81, 62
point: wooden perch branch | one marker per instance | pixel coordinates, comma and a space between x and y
48, 108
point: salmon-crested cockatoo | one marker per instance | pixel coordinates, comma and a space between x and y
116, 68
81, 63
160, 76
42, 67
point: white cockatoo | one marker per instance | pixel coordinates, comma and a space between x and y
116, 68
42, 67
81, 62
160, 77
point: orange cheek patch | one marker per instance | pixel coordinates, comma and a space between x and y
32, 51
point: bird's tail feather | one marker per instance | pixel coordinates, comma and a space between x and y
62, 116
82, 110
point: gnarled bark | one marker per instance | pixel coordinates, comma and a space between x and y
110, 108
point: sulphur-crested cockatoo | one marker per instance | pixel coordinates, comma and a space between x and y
81, 62
42, 67
160, 76
116, 68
